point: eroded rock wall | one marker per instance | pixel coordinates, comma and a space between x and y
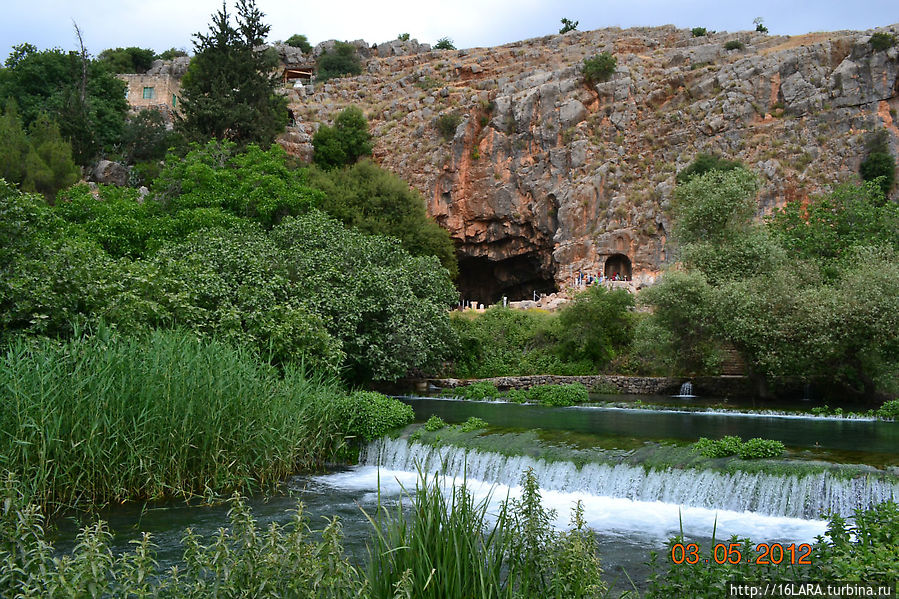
546, 176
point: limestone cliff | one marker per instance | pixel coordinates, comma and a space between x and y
546, 176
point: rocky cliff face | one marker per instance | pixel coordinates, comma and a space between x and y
546, 176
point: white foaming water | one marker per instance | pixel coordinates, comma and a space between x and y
652, 521
792, 496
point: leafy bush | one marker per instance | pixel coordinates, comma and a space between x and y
568, 25
447, 123
299, 41
704, 163
698, 31
757, 448
375, 201
881, 41
750, 450
369, 415
341, 61
403, 37
476, 391
128, 60
879, 167
734, 45
599, 68
434, 423
472, 424
345, 142
889, 410
558, 395
596, 326
444, 43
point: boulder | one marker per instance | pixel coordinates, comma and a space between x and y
110, 173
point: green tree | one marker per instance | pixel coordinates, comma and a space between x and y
345, 142
228, 90
375, 201
81, 95
599, 68
147, 137
444, 43
299, 41
704, 163
341, 61
596, 326
172, 53
568, 25
128, 60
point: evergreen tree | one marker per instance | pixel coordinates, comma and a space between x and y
228, 91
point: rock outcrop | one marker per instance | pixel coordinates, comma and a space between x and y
546, 176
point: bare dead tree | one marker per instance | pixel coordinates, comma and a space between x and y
83, 63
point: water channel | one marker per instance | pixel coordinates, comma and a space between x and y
632, 509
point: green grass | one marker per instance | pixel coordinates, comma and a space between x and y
111, 418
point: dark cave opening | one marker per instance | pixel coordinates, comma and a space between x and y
486, 281
618, 264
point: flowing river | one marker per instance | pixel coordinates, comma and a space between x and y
589, 454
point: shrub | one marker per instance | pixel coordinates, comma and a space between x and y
889, 410
369, 415
447, 123
704, 163
345, 142
726, 446
881, 41
403, 37
698, 31
434, 423
757, 448
444, 43
599, 68
477, 391
341, 61
759, 23
472, 424
734, 45
568, 25
559, 395
596, 326
879, 167
299, 41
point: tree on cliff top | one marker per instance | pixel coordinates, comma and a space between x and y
228, 92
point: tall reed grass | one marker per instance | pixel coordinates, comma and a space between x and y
109, 418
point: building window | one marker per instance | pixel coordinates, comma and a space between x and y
149, 93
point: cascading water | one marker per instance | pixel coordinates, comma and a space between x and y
686, 390
777, 495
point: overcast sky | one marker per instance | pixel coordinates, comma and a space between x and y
162, 24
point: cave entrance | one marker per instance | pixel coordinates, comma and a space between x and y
618, 264
486, 281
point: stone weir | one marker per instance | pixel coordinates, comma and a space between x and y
546, 176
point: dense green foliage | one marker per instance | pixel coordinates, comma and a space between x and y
864, 552
552, 395
434, 423
733, 45
882, 41
128, 60
813, 292
228, 90
452, 547
345, 142
473, 423
704, 163
879, 166
698, 31
889, 410
146, 138
585, 336
108, 418
752, 449
81, 95
375, 201
39, 160
568, 25
340, 61
300, 41
475, 391
447, 124
369, 415
599, 68
444, 43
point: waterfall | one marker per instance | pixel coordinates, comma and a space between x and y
806, 496
686, 390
